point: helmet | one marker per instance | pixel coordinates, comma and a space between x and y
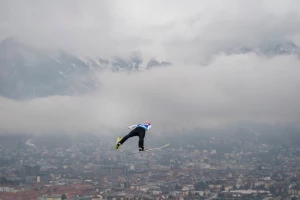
147, 122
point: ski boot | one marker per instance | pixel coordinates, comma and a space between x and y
118, 144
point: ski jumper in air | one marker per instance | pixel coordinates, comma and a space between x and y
137, 130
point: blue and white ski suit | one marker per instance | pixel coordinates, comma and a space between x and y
137, 130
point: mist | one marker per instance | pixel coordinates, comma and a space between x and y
238, 88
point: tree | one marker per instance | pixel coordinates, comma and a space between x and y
260, 187
63, 197
178, 187
222, 188
272, 189
200, 185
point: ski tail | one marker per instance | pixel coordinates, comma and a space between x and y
149, 149
157, 147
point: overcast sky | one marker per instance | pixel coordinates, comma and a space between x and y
185, 96
172, 30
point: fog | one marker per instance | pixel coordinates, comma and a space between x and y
240, 88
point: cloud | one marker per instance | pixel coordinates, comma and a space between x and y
180, 31
230, 90
185, 96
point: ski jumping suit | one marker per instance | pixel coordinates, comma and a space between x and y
137, 130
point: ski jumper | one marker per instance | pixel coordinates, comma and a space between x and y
137, 130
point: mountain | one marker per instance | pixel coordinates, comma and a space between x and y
27, 72
282, 48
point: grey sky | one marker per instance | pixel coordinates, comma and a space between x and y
171, 30
231, 88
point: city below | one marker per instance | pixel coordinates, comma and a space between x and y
213, 168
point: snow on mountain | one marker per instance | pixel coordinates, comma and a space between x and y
27, 72
282, 48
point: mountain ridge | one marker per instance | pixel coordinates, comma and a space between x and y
28, 72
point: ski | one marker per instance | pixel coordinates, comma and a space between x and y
149, 149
